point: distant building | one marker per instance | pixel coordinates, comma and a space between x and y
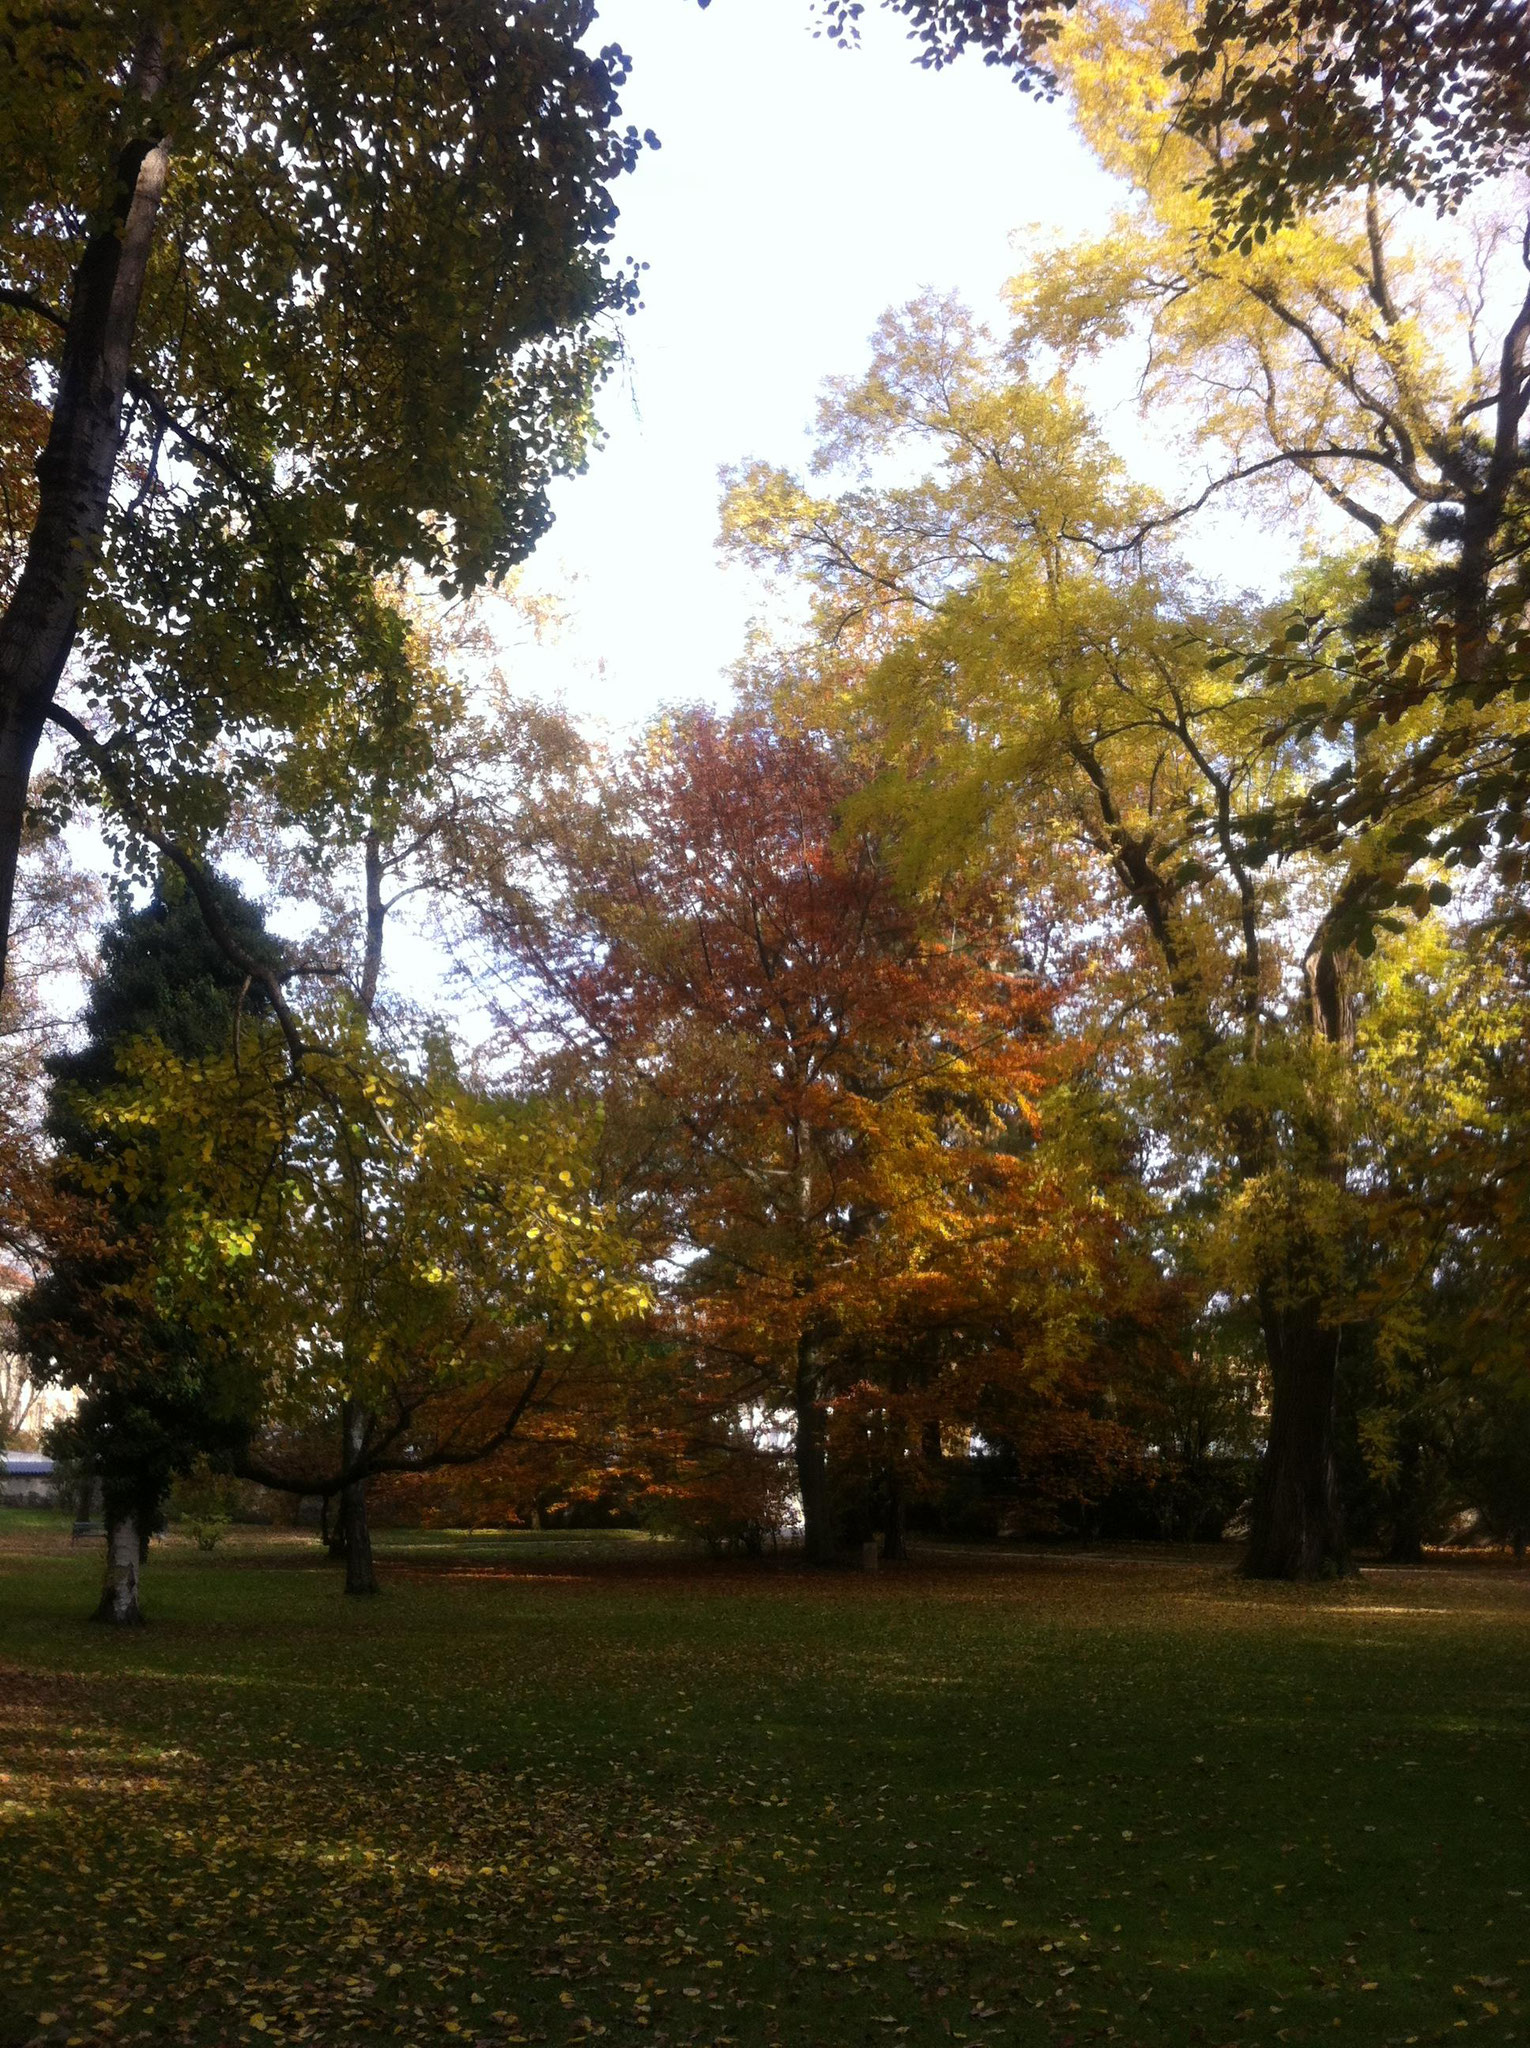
27, 1480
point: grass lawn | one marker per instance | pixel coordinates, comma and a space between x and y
553, 1788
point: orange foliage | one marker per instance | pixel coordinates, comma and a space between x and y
831, 1098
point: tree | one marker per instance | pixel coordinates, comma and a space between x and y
360, 815
347, 819
153, 1396
407, 1332
1013, 628
293, 295
1443, 1159
1267, 262
1301, 98
1427, 98
397, 1250
830, 1087
1352, 361
1334, 358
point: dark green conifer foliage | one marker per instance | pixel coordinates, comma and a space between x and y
151, 1402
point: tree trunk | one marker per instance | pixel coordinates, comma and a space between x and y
811, 1450
119, 1595
359, 1576
1483, 508
1298, 1525
1407, 1545
78, 465
894, 1542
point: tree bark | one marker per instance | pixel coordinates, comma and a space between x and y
376, 920
1297, 1527
119, 1595
77, 467
1484, 506
359, 1575
1407, 1545
1297, 1524
811, 1450
894, 1541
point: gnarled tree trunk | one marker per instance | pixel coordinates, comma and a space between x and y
119, 1595
1298, 1523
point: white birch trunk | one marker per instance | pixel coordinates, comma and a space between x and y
119, 1595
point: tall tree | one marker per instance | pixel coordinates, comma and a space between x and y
1014, 629
402, 1332
367, 814
152, 1396
1337, 359
292, 294
346, 821
834, 1086
1352, 363
1274, 266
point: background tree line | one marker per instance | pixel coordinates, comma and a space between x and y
1065, 1006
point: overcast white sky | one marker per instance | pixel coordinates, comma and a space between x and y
800, 190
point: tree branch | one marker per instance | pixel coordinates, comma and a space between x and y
28, 302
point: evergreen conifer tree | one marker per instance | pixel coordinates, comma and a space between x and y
151, 1401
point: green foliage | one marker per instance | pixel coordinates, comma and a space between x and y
356, 330
202, 1502
440, 1256
154, 1394
1423, 98
378, 271
1293, 103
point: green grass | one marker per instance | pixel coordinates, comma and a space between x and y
549, 1789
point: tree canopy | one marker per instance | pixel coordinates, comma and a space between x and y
1053, 1037
290, 297
1296, 99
